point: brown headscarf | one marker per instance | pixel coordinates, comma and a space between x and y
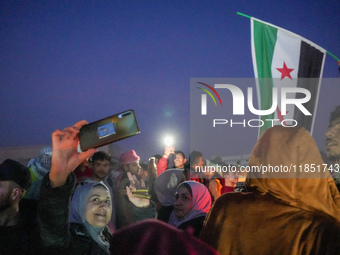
294, 147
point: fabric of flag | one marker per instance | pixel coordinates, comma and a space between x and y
285, 58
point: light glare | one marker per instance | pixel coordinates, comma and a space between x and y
168, 140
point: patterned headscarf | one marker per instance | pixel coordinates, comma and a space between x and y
41, 165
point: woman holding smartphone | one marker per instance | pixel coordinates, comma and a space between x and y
82, 229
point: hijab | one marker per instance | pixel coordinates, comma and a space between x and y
77, 212
293, 148
201, 199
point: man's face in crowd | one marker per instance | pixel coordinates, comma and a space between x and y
231, 177
333, 140
143, 173
133, 168
179, 161
200, 161
5, 195
100, 169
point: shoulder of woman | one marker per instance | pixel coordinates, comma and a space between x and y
78, 229
195, 221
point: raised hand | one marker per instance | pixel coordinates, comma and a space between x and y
65, 155
168, 150
137, 201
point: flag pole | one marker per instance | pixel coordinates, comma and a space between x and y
244, 15
249, 17
337, 59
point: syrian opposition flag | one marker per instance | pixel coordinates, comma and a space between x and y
287, 60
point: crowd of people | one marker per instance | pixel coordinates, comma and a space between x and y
71, 202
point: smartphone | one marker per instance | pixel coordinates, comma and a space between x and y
108, 130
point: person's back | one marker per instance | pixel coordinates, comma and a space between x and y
249, 223
285, 212
151, 237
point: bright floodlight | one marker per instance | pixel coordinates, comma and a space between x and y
168, 140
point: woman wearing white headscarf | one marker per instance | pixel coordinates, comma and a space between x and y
89, 215
78, 227
192, 204
84, 230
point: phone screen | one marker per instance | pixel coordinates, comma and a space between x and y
108, 130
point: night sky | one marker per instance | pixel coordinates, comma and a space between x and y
64, 61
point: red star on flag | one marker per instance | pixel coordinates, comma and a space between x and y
280, 116
285, 71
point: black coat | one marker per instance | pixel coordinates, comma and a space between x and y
22, 238
194, 225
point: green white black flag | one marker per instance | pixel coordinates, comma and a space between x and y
285, 58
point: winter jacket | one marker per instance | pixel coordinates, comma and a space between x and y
23, 238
